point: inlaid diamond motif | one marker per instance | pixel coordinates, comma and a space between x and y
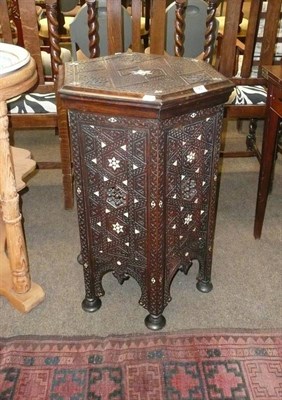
189, 189
141, 72
116, 196
191, 156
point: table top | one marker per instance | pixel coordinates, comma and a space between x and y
143, 77
273, 72
12, 58
18, 81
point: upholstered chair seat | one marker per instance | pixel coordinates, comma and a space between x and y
244, 95
29, 103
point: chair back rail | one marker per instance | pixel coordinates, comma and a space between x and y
6, 31
115, 42
52, 12
251, 37
19, 25
211, 30
259, 47
31, 43
10, 12
157, 27
228, 52
269, 38
136, 12
24, 16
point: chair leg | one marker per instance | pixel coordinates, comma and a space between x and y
279, 139
66, 156
66, 166
239, 124
278, 150
251, 137
68, 191
266, 170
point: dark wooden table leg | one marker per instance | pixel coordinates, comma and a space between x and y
267, 160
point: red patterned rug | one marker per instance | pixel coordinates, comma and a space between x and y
204, 365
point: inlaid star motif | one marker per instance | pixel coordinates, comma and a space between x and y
114, 163
191, 156
188, 219
117, 227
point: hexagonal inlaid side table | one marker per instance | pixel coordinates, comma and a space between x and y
145, 133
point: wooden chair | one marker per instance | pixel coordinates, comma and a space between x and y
79, 31
67, 10
145, 19
116, 44
37, 108
242, 62
195, 27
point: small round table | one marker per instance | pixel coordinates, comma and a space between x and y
15, 281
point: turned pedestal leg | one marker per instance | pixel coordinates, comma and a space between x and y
15, 282
10, 210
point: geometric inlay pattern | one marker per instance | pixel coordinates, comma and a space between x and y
189, 189
139, 173
116, 197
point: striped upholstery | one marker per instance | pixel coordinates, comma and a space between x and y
242, 94
32, 103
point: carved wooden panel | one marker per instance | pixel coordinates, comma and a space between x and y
145, 193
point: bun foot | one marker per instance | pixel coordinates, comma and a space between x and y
155, 322
79, 259
204, 286
91, 305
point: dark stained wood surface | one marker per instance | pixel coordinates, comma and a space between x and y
152, 79
145, 148
242, 61
273, 74
157, 46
